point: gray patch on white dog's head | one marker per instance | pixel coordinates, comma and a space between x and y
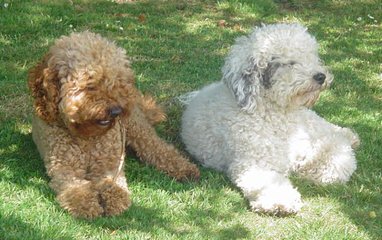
268, 74
249, 79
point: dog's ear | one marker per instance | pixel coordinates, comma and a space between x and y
247, 83
244, 82
126, 90
44, 85
129, 74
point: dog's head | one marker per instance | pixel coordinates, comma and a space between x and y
276, 64
83, 83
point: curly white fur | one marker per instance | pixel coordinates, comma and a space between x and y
256, 126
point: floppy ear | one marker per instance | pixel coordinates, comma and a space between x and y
248, 80
244, 82
44, 85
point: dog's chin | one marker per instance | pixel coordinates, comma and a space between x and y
90, 128
307, 99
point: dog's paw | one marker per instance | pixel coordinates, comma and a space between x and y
355, 141
353, 137
113, 199
278, 202
81, 201
188, 171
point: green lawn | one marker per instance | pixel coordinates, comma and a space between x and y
177, 46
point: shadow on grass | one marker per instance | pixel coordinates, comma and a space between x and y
19, 156
357, 204
11, 227
199, 222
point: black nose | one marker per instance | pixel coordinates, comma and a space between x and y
115, 111
320, 78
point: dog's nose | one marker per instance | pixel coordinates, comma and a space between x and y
320, 78
115, 111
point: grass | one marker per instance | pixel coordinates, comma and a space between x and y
176, 47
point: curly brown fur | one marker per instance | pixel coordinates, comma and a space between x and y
83, 85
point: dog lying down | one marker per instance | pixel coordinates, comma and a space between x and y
256, 124
87, 110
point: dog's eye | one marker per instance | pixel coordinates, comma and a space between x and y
90, 88
292, 63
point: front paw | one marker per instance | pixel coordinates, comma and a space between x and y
80, 201
277, 201
187, 171
355, 142
113, 199
353, 136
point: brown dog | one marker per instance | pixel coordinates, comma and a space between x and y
87, 111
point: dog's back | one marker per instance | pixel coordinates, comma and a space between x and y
205, 125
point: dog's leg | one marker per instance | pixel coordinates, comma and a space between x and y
325, 155
84, 194
65, 166
80, 193
74, 193
335, 164
350, 135
268, 191
114, 197
90, 198
141, 136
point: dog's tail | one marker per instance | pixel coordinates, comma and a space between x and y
186, 98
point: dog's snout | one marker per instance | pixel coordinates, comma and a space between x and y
320, 78
115, 111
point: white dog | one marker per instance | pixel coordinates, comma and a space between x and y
256, 126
